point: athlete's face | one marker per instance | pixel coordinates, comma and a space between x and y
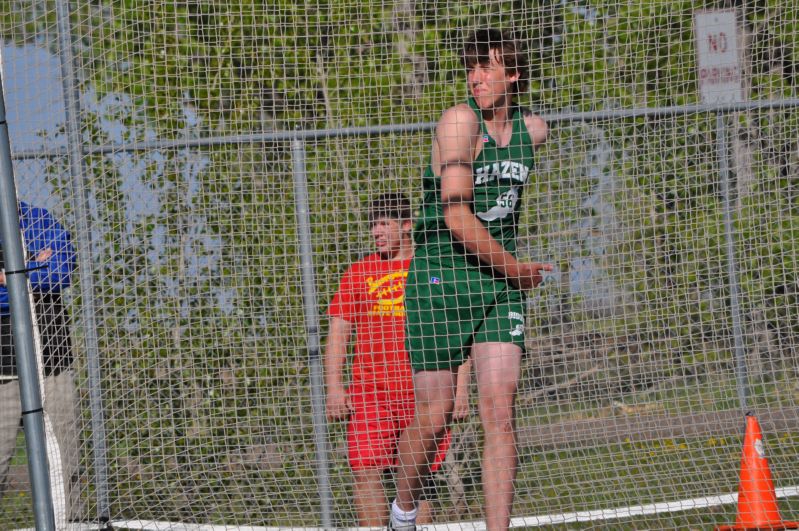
390, 236
489, 83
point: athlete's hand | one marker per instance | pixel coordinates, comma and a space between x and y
527, 275
461, 410
338, 404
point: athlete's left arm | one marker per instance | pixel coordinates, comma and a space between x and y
530, 273
461, 410
536, 126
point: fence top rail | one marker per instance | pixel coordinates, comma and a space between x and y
377, 130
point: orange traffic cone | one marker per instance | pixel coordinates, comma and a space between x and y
757, 502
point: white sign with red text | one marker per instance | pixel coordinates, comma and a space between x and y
717, 56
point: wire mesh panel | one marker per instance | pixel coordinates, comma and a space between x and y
671, 225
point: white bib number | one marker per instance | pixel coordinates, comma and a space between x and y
506, 204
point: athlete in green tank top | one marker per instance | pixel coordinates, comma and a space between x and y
500, 174
464, 295
454, 300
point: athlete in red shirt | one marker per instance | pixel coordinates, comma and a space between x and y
379, 402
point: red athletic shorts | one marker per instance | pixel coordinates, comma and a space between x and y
375, 425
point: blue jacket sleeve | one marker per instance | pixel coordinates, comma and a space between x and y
41, 231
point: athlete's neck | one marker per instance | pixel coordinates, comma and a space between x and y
499, 126
403, 252
498, 120
498, 110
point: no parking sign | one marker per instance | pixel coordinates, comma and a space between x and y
717, 56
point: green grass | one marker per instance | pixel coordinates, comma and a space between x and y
580, 477
639, 473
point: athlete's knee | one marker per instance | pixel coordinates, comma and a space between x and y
499, 405
497, 416
499, 426
433, 423
434, 415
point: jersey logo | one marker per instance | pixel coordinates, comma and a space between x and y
507, 170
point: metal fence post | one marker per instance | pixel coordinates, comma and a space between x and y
741, 377
85, 261
22, 329
312, 328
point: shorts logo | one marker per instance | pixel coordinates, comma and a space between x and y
435, 280
518, 330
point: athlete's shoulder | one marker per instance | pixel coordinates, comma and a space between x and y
536, 126
359, 266
459, 115
457, 131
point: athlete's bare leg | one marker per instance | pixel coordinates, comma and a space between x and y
435, 400
497, 370
425, 515
370, 500
370, 497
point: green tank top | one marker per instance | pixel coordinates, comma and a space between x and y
499, 174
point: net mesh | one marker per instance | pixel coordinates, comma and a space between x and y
671, 310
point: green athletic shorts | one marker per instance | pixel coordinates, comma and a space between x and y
449, 308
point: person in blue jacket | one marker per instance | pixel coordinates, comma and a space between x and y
50, 261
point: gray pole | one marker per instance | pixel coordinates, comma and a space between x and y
312, 329
85, 263
22, 330
732, 265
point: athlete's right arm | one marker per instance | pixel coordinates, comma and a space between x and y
337, 404
454, 148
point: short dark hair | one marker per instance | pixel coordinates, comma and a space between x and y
393, 205
477, 50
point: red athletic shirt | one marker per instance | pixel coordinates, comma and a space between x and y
372, 298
